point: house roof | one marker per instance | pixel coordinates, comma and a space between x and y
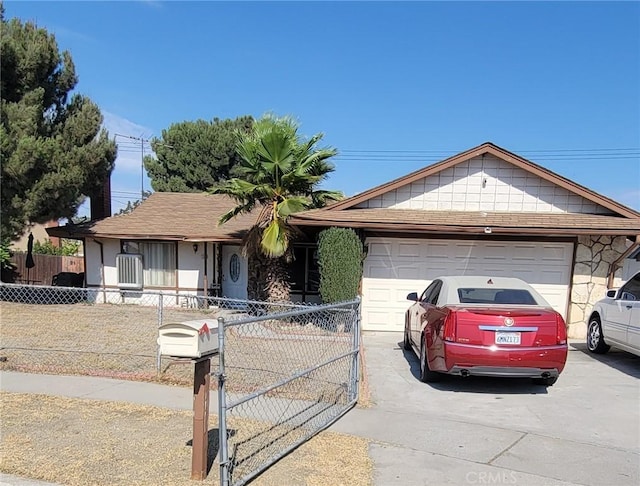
194, 216
559, 224
169, 216
622, 221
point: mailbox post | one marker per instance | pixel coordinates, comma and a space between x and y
199, 451
197, 340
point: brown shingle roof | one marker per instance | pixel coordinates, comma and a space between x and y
169, 216
404, 220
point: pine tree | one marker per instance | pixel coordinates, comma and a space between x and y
53, 150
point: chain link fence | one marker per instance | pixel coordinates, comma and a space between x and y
287, 375
102, 332
285, 370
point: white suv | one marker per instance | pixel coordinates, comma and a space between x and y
615, 320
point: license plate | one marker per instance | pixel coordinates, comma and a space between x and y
507, 337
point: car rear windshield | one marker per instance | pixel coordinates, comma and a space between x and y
495, 296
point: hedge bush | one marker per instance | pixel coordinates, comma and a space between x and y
340, 256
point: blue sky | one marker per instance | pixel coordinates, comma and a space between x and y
394, 86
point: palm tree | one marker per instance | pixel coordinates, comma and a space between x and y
279, 173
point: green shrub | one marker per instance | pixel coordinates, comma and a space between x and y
7, 268
340, 256
68, 248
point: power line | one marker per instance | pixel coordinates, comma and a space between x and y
602, 155
123, 193
430, 156
516, 151
427, 156
142, 142
566, 158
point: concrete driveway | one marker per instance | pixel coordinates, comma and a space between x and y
584, 430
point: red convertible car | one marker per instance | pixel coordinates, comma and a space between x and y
486, 326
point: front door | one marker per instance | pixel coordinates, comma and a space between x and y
234, 273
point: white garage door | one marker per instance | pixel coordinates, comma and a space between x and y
395, 267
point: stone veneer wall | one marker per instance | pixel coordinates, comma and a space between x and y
594, 256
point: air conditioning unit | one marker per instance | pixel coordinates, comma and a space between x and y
129, 268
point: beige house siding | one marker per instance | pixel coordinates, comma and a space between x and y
485, 184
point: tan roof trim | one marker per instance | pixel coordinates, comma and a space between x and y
478, 230
62, 232
472, 221
500, 153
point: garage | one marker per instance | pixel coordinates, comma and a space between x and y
396, 266
485, 211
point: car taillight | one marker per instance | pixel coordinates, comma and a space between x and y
561, 332
449, 333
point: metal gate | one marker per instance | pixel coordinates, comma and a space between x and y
282, 377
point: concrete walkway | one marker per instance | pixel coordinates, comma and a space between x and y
585, 430
9, 480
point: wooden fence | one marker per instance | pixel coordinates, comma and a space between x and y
46, 266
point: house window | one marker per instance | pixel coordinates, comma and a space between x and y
234, 267
158, 261
304, 270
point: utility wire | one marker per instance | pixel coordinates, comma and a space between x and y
142, 142
515, 151
429, 156
130, 145
436, 159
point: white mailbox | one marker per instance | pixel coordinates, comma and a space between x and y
188, 339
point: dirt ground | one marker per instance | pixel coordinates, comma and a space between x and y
107, 443
120, 341
89, 442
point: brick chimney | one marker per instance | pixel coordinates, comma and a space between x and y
101, 201
55, 241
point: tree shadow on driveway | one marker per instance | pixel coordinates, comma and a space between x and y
475, 384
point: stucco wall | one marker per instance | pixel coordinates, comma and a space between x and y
594, 256
190, 264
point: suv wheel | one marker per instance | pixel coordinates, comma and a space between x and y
595, 338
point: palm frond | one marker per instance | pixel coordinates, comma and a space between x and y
291, 205
299, 181
279, 171
320, 199
232, 213
318, 161
234, 187
275, 239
